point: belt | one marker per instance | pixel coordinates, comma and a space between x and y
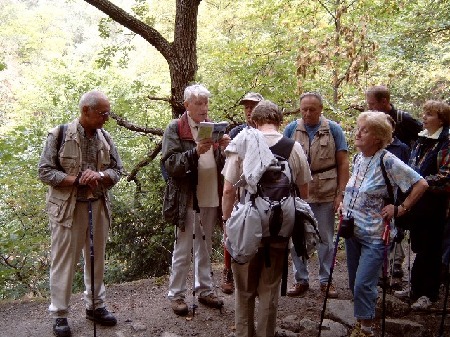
323, 169
87, 200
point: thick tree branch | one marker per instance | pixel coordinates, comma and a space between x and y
135, 25
133, 127
144, 162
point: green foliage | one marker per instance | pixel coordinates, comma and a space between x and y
52, 52
24, 232
140, 243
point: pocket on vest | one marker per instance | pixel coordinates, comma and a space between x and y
327, 182
57, 205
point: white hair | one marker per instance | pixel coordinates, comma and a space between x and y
91, 99
195, 90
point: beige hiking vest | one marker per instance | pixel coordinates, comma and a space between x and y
61, 200
321, 154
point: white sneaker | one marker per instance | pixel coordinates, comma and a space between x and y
422, 303
401, 293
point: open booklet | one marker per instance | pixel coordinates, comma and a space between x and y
211, 130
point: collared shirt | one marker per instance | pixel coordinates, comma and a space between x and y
89, 148
51, 174
207, 187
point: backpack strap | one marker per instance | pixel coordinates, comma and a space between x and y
59, 141
386, 178
283, 147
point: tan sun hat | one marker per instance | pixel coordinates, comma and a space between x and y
252, 97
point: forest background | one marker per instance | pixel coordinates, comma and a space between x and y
53, 51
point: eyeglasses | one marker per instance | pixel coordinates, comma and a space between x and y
101, 113
362, 130
104, 113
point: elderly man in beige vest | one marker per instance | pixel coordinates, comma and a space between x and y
80, 163
326, 149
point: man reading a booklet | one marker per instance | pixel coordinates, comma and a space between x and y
191, 201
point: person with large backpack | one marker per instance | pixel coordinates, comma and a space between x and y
261, 275
324, 144
249, 101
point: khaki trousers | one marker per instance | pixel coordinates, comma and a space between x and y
66, 246
255, 279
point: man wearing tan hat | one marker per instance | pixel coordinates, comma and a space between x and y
249, 101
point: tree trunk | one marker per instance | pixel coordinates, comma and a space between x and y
181, 54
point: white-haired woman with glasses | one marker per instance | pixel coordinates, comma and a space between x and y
364, 203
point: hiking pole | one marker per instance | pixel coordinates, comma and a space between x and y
444, 309
91, 246
386, 235
392, 265
330, 279
211, 273
193, 263
409, 266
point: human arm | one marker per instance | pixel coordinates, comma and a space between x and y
228, 199
179, 160
50, 172
419, 188
290, 129
441, 180
343, 169
300, 170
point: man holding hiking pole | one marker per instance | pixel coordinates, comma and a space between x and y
80, 163
192, 198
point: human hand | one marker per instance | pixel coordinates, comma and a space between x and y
388, 212
224, 141
204, 145
90, 178
338, 202
339, 208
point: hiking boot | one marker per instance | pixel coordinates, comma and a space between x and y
298, 290
401, 293
398, 271
211, 300
61, 328
360, 332
227, 285
423, 303
332, 292
179, 307
101, 316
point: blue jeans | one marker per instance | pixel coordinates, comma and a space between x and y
324, 213
364, 263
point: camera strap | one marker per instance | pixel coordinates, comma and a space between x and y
353, 198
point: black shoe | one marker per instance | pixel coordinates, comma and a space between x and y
102, 316
398, 271
61, 328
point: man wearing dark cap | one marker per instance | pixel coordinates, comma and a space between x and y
249, 101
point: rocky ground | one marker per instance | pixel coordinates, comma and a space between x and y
142, 310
